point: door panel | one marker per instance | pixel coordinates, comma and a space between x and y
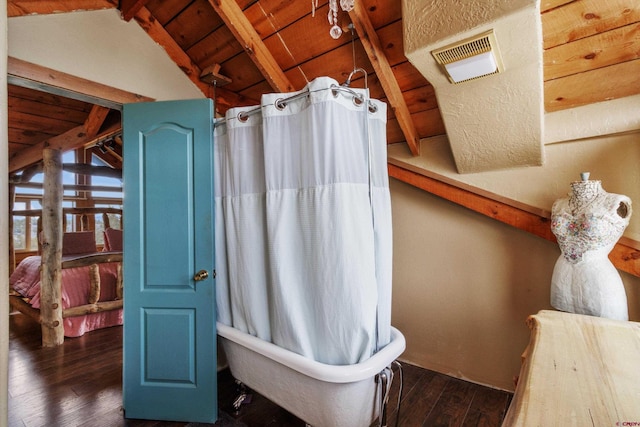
169, 316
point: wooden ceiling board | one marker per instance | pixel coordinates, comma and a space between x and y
546, 5
193, 24
29, 7
302, 41
597, 51
429, 122
383, 12
271, 16
40, 123
256, 91
337, 64
421, 99
21, 138
48, 98
242, 72
165, 10
408, 76
569, 92
47, 111
216, 48
392, 42
585, 18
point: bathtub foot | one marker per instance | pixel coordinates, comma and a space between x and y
385, 379
243, 397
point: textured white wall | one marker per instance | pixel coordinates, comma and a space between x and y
427, 22
494, 122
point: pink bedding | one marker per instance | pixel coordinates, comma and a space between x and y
75, 291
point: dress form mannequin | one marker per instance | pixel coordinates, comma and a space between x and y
587, 224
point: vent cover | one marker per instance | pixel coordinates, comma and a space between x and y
470, 59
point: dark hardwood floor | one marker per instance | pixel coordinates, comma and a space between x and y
79, 384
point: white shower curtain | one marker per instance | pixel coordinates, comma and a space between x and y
303, 223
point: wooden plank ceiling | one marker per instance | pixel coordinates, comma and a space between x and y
592, 52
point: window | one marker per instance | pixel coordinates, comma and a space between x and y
29, 198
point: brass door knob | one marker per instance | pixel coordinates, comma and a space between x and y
200, 275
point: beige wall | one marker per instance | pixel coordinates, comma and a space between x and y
463, 285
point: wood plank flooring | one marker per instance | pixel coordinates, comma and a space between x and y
79, 384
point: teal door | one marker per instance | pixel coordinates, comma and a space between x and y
169, 356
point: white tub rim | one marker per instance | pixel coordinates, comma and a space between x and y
317, 370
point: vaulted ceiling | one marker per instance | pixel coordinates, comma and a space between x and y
591, 53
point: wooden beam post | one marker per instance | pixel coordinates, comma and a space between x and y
51, 274
375, 52
248, 37
225, 99
129, 8
44, 7
74, 138
94, 283
12, 249
625, 255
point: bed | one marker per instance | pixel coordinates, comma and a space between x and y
91, 281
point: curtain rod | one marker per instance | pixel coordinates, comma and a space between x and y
281, 103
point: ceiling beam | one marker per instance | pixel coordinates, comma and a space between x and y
73, 138
250, 40
129, 8
381, 66
94, 121
625, 255
45, 7
25, 74
225, 99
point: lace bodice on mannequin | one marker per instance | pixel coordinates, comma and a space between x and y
589, 219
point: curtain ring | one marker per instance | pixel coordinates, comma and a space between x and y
373, 108
280, 104
243, 117
358, 100
335, 91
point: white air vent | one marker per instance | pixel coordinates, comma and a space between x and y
470, 59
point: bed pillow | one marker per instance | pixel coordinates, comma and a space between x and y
113, 240
78, 242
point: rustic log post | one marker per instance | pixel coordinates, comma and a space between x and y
12, 249
84, 223
39, 233
51, 275
94, 283
119, 290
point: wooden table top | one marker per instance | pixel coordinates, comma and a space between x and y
578, 371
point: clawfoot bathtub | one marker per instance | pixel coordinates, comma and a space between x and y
322, 395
